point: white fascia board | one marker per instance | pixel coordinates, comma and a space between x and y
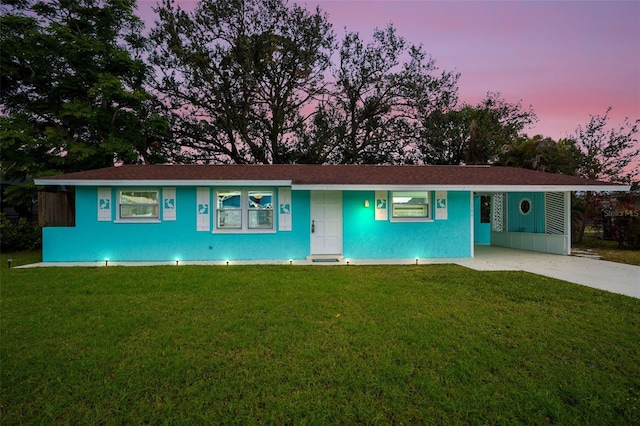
342, 187
99, 182
338, 187
555, 188
475, 188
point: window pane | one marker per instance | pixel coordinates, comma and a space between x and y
229, 199
138, 210
139, 197
410, 204
260, 219
410, 197
260, 209
409, 211
229, 219
485, 209
525, 206
260, 200
139, 204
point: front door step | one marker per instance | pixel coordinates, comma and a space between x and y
326, 258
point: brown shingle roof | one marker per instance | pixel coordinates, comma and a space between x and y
301, 174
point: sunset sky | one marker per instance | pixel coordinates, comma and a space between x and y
567, 59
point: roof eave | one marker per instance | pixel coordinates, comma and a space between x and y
475, 188
333, 187
163, 182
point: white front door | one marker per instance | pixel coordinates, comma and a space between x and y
326, 222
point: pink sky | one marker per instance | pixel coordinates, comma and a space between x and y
567, 59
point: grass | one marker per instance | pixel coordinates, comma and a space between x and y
436, 344
608, 250
19, 258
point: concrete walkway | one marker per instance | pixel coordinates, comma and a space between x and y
610, 276
614, 277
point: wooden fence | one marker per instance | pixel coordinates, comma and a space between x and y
56, 209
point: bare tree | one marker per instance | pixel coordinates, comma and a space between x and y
239, 73
610, 154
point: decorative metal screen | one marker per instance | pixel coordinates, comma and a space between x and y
499, 222
555, 214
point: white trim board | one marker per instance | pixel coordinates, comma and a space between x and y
475, 188
336, 187
149, 182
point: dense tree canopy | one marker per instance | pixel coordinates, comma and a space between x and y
542, 154
472, 134
379, 91
73, 92
252, 81
240, 81
239, 74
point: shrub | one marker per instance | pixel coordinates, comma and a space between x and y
626, 231
20, 235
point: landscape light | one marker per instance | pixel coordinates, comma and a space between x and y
416, 260
106, 262
9, 261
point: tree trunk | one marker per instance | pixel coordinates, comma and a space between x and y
588, 215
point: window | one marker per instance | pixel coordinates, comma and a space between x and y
525, 206
244, 210
260, 210
139, 204
485, 209
410, 206
229, 210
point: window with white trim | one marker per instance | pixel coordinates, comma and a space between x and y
244, 210
139, 204
260, 209
410, 206
229, 210
525, 206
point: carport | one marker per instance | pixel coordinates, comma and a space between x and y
525, 220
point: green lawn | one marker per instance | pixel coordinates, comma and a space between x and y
19, 258
436, 344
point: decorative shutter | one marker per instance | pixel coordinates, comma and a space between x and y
382, 205
441, 205
104, 204
168, 203
284, 209
554, 213
203, 209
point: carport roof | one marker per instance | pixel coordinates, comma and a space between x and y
338, 177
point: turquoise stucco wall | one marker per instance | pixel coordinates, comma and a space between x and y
533, 222
91, 240
366, 238
363, 237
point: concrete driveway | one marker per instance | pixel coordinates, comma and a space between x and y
610, 276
